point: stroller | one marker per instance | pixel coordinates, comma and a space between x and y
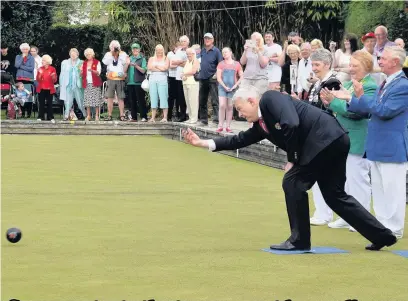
28, 105
6, 87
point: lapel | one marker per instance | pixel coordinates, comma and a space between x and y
388, 88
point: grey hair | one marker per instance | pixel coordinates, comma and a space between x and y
245, 92
322, 55
397, 53
114, 44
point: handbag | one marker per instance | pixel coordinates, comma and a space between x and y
145, 84
196, 77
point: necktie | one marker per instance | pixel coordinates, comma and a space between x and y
263, 125
382, 87
305, 63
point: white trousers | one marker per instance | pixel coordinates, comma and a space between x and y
389, 194
191, 92
357, 184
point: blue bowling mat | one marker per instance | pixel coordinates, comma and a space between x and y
314, 250
403, 253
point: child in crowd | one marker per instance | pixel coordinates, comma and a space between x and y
21, 97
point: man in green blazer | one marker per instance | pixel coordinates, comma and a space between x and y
357, 168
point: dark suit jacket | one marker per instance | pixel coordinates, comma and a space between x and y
298, 128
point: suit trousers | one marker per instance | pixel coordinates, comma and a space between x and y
172, 97
180, 101
208, 87
191, 96
357, 184
389, 194
328, 168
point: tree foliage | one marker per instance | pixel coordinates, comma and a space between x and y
163, 22
61, 38
364, 16
23, 23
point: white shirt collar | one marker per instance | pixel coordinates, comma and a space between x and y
259, 112
393, 76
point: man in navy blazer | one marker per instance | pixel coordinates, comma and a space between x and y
317, 148
387, 139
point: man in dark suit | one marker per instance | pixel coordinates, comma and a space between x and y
317, 148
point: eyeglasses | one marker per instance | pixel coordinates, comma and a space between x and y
292, 53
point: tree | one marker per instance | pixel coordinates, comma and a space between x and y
231, 22
364, 16
23, 23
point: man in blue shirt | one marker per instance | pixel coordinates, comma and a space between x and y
210, 57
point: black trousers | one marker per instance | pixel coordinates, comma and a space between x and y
328, 168
27, 107
45, 97
208, 87
172, 97
180, 101
137, 100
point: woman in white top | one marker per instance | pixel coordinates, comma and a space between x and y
341, 58
37, 60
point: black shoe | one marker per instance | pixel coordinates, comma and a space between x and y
378, 247
288, 246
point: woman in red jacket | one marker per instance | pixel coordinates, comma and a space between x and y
46, 78
91, 82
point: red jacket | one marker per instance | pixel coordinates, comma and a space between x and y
46, 78
96, 79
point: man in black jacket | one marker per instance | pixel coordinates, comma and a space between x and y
317, 148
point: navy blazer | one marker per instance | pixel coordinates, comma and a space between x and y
298, 128
387, 137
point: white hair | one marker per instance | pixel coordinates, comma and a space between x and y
47, 58
89, 51
185, 38
397, 53
383, 29
114, 44
245, 92
24, 46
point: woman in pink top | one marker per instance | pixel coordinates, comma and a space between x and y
228, 72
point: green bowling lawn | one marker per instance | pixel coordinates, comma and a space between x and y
131, 218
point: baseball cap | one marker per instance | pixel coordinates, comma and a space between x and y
369, 35
209, 35
135, 45
293, 34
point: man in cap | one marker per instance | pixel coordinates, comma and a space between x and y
210, 57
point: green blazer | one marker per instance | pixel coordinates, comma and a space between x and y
357, 127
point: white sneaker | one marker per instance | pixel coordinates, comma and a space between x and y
52, 120
339, 224
351, 229
144, 120
318, 222
38, 119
